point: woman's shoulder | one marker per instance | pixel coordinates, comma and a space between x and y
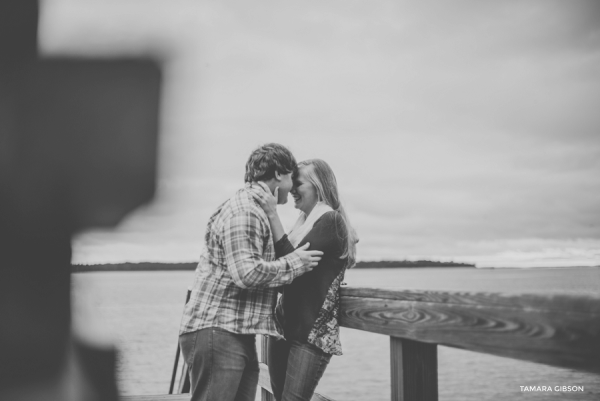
331, 220
330, 217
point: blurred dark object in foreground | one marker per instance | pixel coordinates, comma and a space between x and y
77, 150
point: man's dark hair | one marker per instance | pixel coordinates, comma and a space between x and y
267, 159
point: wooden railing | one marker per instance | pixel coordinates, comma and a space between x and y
561, 330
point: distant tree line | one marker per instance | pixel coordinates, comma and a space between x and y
410, 263
143, 266
149, 266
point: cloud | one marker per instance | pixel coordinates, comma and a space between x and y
456, 130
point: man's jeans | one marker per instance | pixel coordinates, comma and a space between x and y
295, 369
223, 365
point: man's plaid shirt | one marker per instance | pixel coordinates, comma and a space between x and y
234, 284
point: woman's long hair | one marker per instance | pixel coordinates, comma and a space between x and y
322, 178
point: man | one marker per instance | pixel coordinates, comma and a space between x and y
233, 295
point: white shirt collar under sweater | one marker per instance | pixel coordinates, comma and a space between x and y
304, 224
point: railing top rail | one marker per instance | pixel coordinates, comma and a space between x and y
586, 303
556, 329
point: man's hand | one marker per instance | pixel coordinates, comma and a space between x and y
309, 258
267, 201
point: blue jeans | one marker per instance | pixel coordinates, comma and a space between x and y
223, 365
295, 369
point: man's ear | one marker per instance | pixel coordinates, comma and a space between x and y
277, 175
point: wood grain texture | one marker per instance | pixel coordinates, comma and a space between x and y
561, 331
413, 370
584, 303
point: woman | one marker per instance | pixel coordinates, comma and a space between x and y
308, 309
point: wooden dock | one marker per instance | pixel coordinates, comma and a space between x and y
555, 329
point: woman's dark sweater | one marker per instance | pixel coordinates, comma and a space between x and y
302, 300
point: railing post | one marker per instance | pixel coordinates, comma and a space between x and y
264, 358
414, 370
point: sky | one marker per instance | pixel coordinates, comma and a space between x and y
460, 131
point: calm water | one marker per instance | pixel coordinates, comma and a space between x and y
140, 311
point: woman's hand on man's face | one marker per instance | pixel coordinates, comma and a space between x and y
260, 191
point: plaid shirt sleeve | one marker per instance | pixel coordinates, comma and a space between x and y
244, 246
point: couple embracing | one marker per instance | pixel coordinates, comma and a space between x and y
248, 259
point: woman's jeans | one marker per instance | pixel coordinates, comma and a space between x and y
223, 365
295, 369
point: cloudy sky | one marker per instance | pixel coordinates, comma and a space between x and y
463, 130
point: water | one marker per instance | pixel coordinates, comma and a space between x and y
141, 311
